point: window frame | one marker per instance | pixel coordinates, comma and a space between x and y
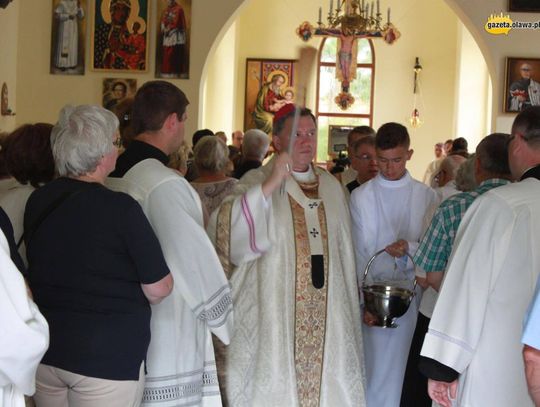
371, 66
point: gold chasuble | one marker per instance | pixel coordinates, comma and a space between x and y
297, 338
310, 310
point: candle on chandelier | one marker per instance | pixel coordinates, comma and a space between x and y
320, 14
372, 8
388, 15
378, 7
331, 5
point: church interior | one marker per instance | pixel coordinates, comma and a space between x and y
462, 81
215, 223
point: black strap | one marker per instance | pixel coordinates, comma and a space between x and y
28, 233
317, 270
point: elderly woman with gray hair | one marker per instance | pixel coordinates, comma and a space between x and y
94, 267
211, 157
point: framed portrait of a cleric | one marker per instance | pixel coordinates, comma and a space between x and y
173, 38
116, 90
68, 36
269, 86
522, 84
120, 36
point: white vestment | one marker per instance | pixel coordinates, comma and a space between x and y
476, 325
24, 334
383, 212
264, 241
67, 13
180, 362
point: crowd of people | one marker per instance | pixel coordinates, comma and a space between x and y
139, 270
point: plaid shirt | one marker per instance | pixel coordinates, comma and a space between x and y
436, 245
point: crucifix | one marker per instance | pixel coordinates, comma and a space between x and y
351, 20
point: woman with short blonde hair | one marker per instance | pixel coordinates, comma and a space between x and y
211, 157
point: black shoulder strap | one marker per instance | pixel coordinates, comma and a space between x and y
55, 204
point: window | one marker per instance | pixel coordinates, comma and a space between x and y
328, 87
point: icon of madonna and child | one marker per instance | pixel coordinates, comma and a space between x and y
272, 96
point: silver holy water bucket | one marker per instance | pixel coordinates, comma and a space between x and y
386, 301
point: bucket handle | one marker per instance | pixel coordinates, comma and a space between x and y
368, 266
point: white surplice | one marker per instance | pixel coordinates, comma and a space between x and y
24, 334
476, 325
383, 212
261, 368
180, 362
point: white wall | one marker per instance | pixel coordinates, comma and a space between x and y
40, 95
495, 49
473, 103
219, 109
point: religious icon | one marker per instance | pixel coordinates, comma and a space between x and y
269, 86
120, 35
68, 37
173, 39
115, 90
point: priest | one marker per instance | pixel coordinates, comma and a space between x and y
472, 351
180, 363
284, 238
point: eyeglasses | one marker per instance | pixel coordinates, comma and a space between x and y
526, 69
117, 142
310, 134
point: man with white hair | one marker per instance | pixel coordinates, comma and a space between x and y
254, 147
446, 176
472, 351
181, 364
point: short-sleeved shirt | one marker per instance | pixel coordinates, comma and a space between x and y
436, 245
87, 261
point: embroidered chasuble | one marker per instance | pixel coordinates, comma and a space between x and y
181, 369
297, 337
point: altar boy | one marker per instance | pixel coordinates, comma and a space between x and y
387, 213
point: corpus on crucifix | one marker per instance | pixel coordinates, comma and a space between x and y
351, 20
